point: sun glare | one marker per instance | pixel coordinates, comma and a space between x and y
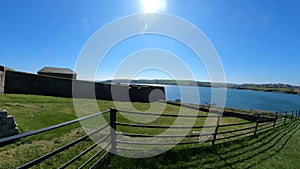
153, 6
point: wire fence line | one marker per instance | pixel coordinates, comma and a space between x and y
260, 124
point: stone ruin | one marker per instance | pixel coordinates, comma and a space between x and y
2, 77
8, 126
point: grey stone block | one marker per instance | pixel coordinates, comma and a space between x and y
3, 113
8, 126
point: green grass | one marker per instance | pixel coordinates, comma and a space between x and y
35, 112
274, 149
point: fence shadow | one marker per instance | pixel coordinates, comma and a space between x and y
244, 152
247, 152
258, 151
248, 149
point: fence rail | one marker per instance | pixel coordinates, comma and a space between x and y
65, 147
259, 124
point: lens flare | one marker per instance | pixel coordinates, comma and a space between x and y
153, 6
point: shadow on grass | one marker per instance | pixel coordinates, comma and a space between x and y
242, 153
263, 148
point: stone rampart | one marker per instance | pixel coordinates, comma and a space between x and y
26, 83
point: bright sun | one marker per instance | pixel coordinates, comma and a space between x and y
153, 6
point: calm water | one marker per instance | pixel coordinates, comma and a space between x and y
241, 99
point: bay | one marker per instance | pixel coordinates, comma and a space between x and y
239, 99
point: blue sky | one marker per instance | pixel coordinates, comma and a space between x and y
257, 40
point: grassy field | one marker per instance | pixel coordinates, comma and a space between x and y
274, 149
35, 112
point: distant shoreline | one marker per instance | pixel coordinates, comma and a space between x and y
270, 90
227, 111
274, 88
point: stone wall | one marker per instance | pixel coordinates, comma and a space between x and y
26, 83
8, 126
2, 77
67, 76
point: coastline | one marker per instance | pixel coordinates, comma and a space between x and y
275, 88
247, 114
269, 90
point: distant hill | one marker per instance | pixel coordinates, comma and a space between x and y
169, 82
279, 87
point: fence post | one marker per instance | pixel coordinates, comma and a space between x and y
256, 125
298, 114
113, 127
292, 116
216, 130
285, 117
276, 117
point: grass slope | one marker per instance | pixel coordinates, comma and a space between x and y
275, 149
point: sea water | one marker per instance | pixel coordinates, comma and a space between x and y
240, 99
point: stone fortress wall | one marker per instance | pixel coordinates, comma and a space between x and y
2, 77
13, 82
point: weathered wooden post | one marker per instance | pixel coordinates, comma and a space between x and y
216, 130
285, 117
256, 125
292, 116
113, 127
276, 117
